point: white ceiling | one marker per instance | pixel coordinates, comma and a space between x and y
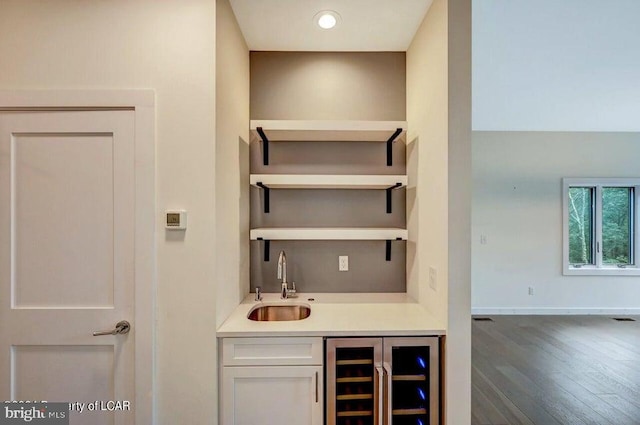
366, 25
549, 65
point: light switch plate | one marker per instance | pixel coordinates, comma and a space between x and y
433, 278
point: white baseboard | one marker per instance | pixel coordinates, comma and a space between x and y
555, 311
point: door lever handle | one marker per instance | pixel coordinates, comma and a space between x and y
122, 327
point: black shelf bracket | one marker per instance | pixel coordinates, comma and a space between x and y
390, 146
267, 246
265, 146
266, 196
389, 196
387, 255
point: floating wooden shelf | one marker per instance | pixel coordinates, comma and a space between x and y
386, 234
328, 181
327, 131
329, 233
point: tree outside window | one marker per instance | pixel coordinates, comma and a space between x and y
600, 221
581, 225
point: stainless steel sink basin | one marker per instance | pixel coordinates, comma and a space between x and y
279, 312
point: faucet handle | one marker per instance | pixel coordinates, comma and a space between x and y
291, 293
258, 293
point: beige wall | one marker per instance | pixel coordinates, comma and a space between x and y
232, 161
458, 358
438, 199
328, 85
167, 46
427, 113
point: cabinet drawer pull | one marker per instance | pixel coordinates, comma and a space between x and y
316, 386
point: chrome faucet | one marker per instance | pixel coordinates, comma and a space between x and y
282, 274
282, 267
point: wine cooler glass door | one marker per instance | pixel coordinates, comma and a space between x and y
353, 377
412, 368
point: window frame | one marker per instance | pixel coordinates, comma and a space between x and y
598, 268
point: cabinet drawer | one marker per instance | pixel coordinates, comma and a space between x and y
271, 351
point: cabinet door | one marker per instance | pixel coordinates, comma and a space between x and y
283, 395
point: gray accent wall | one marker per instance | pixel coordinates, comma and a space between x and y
336, 86
313, 266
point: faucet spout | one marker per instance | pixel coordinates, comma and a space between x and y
282, 274
282, 267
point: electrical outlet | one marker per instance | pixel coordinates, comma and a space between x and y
433, 278
343, 263
530, 290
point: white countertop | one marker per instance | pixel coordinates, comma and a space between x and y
352, 314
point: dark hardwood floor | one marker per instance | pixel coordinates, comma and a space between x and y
556, 370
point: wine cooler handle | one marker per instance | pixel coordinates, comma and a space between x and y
387, 369
379, 389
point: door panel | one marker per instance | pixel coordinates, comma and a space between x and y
67, 227
56, 199
37, 370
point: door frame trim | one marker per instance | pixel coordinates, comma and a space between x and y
142, 103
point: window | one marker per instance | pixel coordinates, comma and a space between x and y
600, 221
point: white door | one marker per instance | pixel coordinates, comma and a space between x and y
67, 227
266, 395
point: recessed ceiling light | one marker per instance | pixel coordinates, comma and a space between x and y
327, 19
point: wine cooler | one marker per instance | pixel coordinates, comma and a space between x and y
383, 381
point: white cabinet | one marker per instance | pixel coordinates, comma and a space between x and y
272, 381
272, 395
